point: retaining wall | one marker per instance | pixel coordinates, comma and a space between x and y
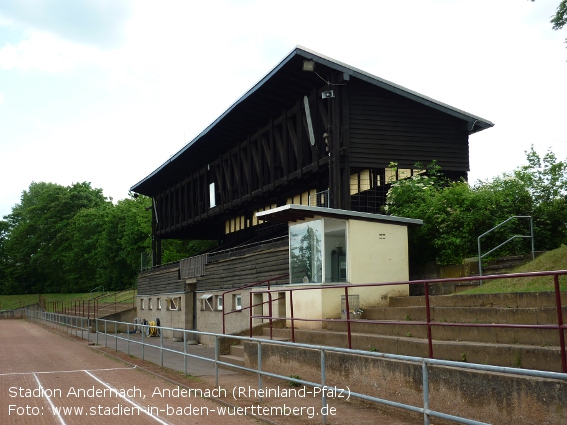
489, 397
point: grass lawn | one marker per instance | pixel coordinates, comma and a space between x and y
551, 260
9, 302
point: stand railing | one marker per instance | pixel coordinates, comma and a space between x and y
428, 323
266, 282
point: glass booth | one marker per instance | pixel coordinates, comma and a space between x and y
317, 251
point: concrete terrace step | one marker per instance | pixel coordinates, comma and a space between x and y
495, 335
510, 300
542, 315
499, 354
237, 350
235, 360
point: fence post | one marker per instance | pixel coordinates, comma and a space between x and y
249, 315
428, 318
259, 370
560, 323
216, 361
347, 307
323, 382
223, 324
143, 336
425, 393
185, 351
291, 312
161, 347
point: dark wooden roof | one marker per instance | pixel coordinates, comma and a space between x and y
279, 89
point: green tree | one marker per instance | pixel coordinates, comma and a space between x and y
546, 180
455, 214
4, 284
36, 242
559, 20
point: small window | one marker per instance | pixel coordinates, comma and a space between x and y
142, 304
149, 303
159, 303
212, 200
205, 301
173, 304
219, 302
237, 302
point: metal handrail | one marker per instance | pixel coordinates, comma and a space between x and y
560, 326
250, 285
531, 236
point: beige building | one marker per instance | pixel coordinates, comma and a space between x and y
335, 247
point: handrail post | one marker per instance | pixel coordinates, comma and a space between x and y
428, 319
223, 324
160, 346
249, 314
185, 352
347, 307
144, 329
532, 236
270, 310
216, 361
291, 312
260, 370
560, 323
425, 386
323, 382
479, 259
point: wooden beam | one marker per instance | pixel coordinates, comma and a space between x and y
245, 158
227, 177
235, 159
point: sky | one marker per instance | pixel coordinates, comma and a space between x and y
105, 91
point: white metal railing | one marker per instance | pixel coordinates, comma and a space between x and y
101, 327
530, 236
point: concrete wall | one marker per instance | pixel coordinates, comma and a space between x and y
210, 320
181, 318
127, 316
493, 398
377, 252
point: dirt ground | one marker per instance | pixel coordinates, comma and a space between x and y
50, 378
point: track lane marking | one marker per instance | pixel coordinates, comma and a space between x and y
68, 371
55, 412
111, 388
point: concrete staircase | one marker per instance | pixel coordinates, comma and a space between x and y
505, 264
513, 347
236, 356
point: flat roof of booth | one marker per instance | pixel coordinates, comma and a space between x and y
289, 213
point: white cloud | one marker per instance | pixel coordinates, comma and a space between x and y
43, 52
94, 22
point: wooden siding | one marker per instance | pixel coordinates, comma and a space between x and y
160, 281
270, 162
385, 127
240, 271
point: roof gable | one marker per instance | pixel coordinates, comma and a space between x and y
280, 88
